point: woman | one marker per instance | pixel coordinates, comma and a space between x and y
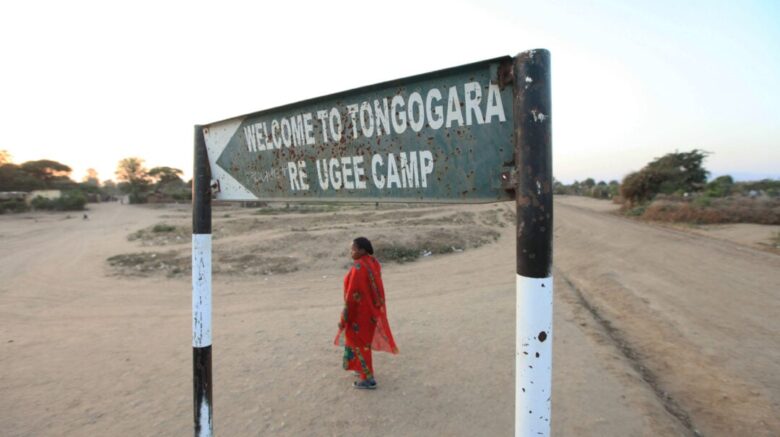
364, 319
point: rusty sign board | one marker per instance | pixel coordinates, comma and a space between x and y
445, 136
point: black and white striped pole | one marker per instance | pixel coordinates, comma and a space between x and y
201, 288
533, 163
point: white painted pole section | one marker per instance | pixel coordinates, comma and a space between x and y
201, 316
201, 290
533, 360
205, 419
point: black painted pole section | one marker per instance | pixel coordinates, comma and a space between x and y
533, 163
533, 159
201, 288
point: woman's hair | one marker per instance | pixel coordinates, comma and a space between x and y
363, 243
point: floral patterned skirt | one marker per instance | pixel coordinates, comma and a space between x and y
358, 359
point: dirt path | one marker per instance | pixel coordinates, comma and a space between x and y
85, 352
699, 314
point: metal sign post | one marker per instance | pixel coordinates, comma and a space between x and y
471, 134
533, 161
201, 288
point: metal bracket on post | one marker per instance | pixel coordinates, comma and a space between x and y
509, 178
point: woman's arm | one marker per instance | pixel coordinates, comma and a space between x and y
352, 294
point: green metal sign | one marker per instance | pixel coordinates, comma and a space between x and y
445, 136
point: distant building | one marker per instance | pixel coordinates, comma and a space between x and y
13, 195
46, 194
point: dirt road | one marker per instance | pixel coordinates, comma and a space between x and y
657, 332
698, 314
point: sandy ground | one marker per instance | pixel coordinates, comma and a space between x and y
657, 331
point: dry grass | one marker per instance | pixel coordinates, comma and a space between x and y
705, 210
402, 248
250, 263
169, 263
274, 244
161, 234
776, 241
177, 263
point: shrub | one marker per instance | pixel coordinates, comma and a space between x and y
703, 201
674, 172
715, 210
41, 203
162, 227
397, 253
600, 192
434, 242
770, 186
73, 200
667, 211
636, 211
182, 196
137, 198
13, 206
720, 187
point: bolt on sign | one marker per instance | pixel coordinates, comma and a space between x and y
445, 136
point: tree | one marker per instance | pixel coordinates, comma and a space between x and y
165, 175
35, 175
53, 174
72, 200
678, 172
134, 177
558, 187
720, 187
91, 178
614, 188
5, 157
109, 188
132, 170
169, 183
13, 178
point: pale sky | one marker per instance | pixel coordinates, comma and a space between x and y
90, 83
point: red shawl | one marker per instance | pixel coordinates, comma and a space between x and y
364, 319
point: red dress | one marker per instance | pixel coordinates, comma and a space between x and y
364, 319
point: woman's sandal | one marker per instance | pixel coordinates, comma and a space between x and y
366, 384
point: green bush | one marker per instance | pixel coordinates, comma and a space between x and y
13, 206
136, 198
182, 196
674, 172
72, 200
163, 228
767, 185
703, 201
397, 253
636, 211
720, 187
601, 192
41, 203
